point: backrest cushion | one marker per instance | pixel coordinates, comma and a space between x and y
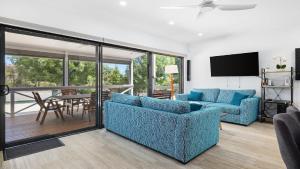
226, 96
172, 106
209, 95
195, 96
126, 99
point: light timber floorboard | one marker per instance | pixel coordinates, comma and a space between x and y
253, 147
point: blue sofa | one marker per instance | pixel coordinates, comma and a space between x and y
244, 114
166, 126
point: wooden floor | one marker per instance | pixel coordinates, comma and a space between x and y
25, 126
253, 147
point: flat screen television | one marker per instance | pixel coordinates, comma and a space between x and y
244, 64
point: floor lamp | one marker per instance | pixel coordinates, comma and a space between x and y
171, 69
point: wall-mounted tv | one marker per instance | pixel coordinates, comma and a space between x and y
244, 64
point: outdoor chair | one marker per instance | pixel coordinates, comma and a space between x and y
46, 106
89, 106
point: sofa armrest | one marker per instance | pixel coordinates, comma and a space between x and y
105, 110
249, 110
182, 97
197, 131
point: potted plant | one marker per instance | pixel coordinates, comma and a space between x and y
280, 63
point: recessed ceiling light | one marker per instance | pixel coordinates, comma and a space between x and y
171, 22
123, 3
200, 34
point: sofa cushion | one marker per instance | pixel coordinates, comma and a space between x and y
226, 96
172, 106
202, 103
209, 95
126, 99
195, 96
237, 98
227, 108
195, 106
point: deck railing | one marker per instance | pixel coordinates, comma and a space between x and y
55, 91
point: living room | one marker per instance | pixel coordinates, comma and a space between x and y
150, 84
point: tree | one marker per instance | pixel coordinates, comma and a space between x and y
82, 73
140, 75
35, 72
113, 76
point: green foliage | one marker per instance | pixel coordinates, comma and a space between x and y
34, 72
140, 75
82, 73
113, 76
40, 72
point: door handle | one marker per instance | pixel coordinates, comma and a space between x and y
4, 90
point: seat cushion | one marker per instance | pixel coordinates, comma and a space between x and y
195, 96
172, 106
126, 99
227, 108
226, 96
209, 95
202, 103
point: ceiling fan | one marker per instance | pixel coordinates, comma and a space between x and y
208, 5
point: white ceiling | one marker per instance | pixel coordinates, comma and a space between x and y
146, 16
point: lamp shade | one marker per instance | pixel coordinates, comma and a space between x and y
170, 69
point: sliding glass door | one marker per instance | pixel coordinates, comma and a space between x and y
53, 85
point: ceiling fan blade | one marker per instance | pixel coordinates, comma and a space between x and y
235, 7
179, 7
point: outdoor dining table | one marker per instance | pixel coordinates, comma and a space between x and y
72, 97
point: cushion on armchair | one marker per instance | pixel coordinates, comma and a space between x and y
237, 98
226, 96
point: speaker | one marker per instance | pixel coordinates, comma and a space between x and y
297, 64
188, 70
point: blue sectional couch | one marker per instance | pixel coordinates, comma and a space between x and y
166, 126
245, 113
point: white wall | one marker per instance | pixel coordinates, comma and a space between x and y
269, 44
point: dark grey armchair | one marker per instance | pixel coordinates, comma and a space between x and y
287, 127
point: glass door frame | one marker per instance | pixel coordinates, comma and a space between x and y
36, 33
2, 82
